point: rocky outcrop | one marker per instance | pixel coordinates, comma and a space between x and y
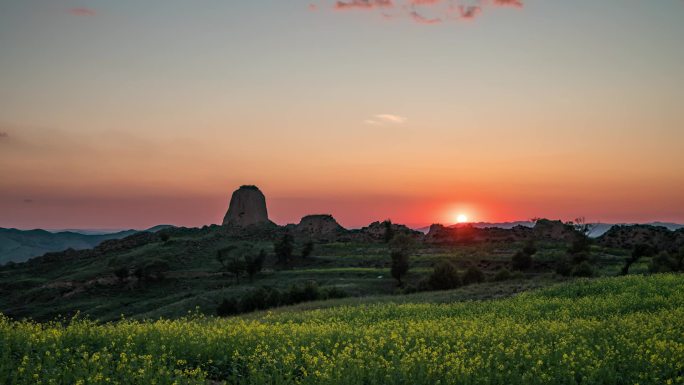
628, 236
468, 233
553, 230
376, 231
322, 226
247, 207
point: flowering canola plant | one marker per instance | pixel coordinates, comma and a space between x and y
627, 330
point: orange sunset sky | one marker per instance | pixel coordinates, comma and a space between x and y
127, 115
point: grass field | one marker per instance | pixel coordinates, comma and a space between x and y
626, 330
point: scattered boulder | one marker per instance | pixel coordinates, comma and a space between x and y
247, 207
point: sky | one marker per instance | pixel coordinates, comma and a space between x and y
128, 114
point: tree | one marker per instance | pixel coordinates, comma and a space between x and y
121, 273
581, 226
663, 262
164, 237
151, 271
502, 275
584, 269
223, 255
473, 275
581, 241
307, 249
521, 260
639, 250
235, 266
283, 249
530, 248
444, 277
389, 230
229, 306
254, 264
401, 247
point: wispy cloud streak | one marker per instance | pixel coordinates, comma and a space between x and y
82, 11
424, 11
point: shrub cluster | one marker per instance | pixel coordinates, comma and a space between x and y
445, 276
268, 297
522, 260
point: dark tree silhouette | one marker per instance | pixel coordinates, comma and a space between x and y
283, 249
401, 247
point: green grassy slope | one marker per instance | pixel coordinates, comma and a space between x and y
45, 288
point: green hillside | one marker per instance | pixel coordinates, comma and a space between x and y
20, 245
625, 330
190, 277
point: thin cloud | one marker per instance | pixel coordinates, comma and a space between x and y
425, 2
363, 4
420, 19
82, 11
509, 3
469, 12
423, 11
382, 119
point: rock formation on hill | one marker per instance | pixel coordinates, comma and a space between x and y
319, 227
376, 231
247, 207
628, 236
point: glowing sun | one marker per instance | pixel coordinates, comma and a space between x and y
462, 218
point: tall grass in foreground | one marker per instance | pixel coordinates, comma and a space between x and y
627, 330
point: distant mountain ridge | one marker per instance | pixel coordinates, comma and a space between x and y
598, 230
20, 245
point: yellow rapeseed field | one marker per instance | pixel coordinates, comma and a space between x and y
626, 330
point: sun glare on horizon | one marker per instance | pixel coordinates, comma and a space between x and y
461, 218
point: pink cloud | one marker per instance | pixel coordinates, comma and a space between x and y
469, 12
313, 7
451, 10
420, 19
425, 2
508, 3
82, 11
363, 4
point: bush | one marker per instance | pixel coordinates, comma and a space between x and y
228, 306
521, 260
307, 249
152, 271
254, 300
563, 267
530, 248
502, 275
121, 273
584, 269
297, 294
333, 292
580, 244
473, 275
444, 277
663, 263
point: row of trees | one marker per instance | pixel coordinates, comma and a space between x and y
244, 259
268, 297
